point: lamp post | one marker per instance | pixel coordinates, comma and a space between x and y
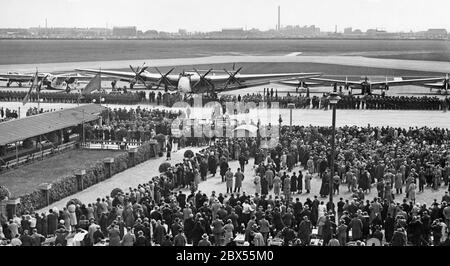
290, 106
334, 99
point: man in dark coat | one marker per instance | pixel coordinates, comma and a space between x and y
389, 227
325, 188
52, 221
212, 164
179, 240
416, 229
160, 233
264, 186
315, 211
188, 226
328, 230
242, 161
26, 239
197, 232
322, 167
305, 230
300, 182
223, 169
203, 169
399, 238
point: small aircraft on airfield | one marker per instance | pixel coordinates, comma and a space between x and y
442, 86
195, 82
55, 82
366, 85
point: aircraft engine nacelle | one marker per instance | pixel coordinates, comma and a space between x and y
184, 85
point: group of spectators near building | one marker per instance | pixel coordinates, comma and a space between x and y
130, 125
8, 114
386, 159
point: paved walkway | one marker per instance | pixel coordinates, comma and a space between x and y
142, 173
132, 177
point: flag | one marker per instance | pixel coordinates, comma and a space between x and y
33, 84
39, 86
94, 84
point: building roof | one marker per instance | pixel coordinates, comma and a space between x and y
32, 126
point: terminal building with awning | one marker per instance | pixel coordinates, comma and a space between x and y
36, 130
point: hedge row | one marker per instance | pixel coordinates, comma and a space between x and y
66, 186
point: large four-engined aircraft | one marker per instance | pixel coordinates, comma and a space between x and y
366, 85
56, 82
196, 82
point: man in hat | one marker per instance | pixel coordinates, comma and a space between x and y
204, 242
229, 180
305, 229
179, 240
399, 237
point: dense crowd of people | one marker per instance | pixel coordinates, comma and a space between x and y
158, 213
63, 97
377, 102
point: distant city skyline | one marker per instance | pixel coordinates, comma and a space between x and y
213, 15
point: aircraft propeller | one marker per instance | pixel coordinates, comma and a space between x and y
346, 85
232, 77
446, 83
164, 80
203, 79
138, 71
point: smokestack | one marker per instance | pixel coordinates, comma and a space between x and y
335, 28
279, 18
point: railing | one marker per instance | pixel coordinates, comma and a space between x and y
37, 155
111, 145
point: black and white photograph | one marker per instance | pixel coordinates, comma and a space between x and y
247, 127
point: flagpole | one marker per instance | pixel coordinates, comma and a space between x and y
38, 90
100, 88
83, 140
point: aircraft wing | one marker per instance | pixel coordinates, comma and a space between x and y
130, 75
252, 84
434, 85
119, 74
296, 83
326, 81
22, 77
248, 77
406, 82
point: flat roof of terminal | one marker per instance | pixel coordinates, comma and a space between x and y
36, 125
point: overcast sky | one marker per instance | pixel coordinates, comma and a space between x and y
210, 15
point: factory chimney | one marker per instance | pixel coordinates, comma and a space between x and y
279, 18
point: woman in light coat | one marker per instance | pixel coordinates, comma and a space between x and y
412, 192
114, 236
308, 177
228, 228
72, 215
196, 177
258, 240
277, 185
398, 183
257, 182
